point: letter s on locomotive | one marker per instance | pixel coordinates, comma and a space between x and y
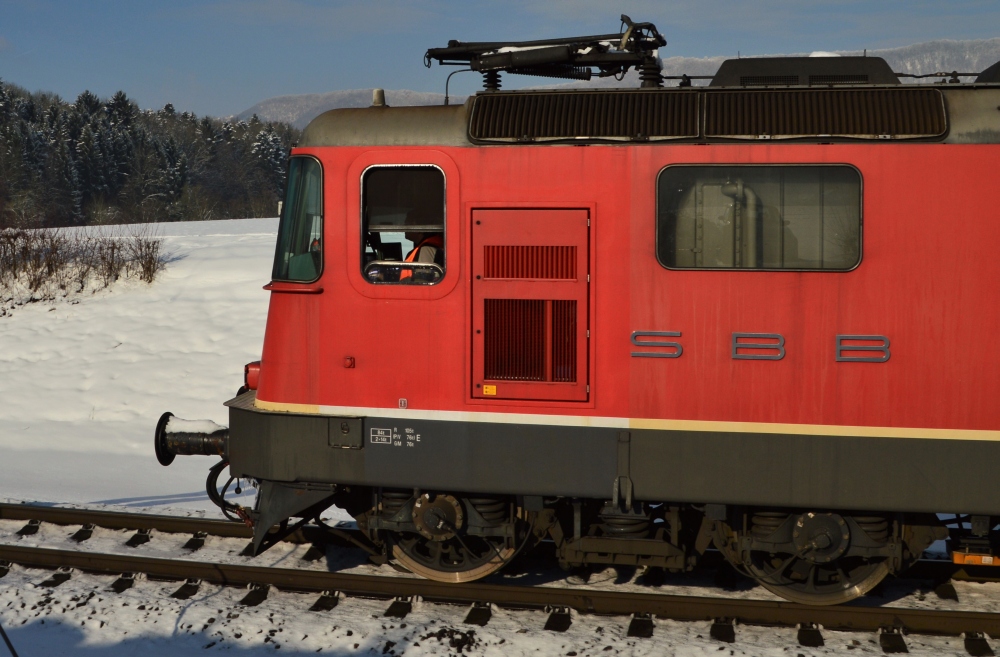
757, 314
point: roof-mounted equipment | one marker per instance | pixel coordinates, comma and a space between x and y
992, 74
803, 71
574, 58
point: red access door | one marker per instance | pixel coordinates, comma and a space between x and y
530, 299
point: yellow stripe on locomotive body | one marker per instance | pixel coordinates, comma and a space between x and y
632, 423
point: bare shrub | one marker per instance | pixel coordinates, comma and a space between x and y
108, 255
30, 258
47, 264
143, 254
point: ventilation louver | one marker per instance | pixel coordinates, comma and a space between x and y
514, 339
529, 340
859, 113
767, 80
838, 79
529, 262
594, 115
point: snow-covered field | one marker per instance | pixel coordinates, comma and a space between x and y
82, 383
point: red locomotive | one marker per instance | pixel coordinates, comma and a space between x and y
759, 314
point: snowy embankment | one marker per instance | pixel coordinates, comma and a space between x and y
82, 382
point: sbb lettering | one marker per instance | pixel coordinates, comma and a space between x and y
764, 346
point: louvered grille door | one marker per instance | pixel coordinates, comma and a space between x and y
530, 304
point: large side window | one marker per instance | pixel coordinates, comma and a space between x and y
299, 256
403, 219
759, 217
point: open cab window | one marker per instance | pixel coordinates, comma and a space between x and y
403, 225
299, 256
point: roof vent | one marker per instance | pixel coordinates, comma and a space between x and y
804, 71
767, 80
615, 115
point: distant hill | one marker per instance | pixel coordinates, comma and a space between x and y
941, 55
917, 59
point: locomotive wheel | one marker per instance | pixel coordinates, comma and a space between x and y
442, 551
451, 560
809, 583
817, 573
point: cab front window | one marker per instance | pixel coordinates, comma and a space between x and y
299, 255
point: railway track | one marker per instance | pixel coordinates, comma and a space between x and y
891, 623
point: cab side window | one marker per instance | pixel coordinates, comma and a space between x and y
403, 225
764, 217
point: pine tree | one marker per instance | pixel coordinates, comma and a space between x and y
121, 110
87, 104
271, 156
62, 182
91, 164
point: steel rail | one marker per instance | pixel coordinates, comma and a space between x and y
124, 520
936, 570
681, 608
174, 524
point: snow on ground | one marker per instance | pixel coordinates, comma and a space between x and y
82, 616
82, 385
88, 620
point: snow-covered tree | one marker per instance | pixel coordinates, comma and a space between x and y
65, 163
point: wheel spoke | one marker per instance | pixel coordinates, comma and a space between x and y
845, 581
779, 572
811, 579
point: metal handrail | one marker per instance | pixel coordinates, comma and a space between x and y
432, 266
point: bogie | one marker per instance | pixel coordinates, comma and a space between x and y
444, 536
822, 557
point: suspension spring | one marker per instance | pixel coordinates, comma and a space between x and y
765, 523
625, 525
876, 527
492, 509
393, 501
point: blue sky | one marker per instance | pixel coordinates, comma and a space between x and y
220, 57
